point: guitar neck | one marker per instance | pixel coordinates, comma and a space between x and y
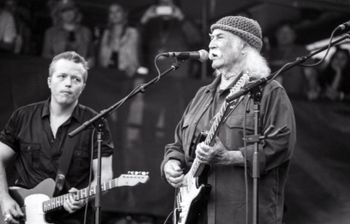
198, 167
87, 192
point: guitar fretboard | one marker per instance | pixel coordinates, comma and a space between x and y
197, 167
87, 192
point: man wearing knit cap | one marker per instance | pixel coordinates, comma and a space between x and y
234, 51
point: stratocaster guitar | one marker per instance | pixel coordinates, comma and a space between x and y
192, 195
36, 202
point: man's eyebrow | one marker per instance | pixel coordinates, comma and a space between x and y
215, 35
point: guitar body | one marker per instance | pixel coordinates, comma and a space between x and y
191, 200
31, 200
193, 195
34, 208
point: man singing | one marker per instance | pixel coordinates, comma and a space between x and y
234, 51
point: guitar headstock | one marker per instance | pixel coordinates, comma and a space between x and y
133, 177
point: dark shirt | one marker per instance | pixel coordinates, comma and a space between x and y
29, 134
38, 152
227, 200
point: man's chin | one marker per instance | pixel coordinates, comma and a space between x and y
216, 64
66, 102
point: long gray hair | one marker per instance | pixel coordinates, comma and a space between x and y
255, 64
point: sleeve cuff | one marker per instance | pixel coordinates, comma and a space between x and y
173, 155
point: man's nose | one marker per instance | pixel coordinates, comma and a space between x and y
68, 81
211, 44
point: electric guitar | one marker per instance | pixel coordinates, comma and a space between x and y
36, 202
193, 194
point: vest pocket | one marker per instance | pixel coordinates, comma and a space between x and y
237, 121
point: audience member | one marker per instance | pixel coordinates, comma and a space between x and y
287, 50
67, 33
313, 89
165, 28
119, 46
8, 32
22, 18
335, 77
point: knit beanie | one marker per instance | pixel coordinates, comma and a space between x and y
247, 29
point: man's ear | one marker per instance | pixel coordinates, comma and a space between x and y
83, 87
244, 48
244, 45
49, 81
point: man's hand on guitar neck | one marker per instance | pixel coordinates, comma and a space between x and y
11, 211
71, 205
218, 154
173, 173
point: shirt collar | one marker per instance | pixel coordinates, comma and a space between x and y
46, 111
213, 85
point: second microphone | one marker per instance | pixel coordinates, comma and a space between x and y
201, 55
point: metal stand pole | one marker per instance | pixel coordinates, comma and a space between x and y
98, 175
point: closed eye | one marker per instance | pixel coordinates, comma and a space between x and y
217, 36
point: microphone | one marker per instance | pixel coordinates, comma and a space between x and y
344, 26
201, 55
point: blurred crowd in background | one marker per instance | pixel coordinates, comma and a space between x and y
131, 47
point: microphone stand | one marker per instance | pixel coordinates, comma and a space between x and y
255, 89
99, 118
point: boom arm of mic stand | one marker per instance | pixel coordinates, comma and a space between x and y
137, 90
100, 117
249, 87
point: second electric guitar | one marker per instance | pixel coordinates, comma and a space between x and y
36, 202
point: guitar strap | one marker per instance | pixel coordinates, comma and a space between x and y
232, 108
202, 135
64, 163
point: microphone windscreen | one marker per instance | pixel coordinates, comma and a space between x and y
203, 55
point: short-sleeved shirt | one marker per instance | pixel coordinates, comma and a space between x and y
38, 151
